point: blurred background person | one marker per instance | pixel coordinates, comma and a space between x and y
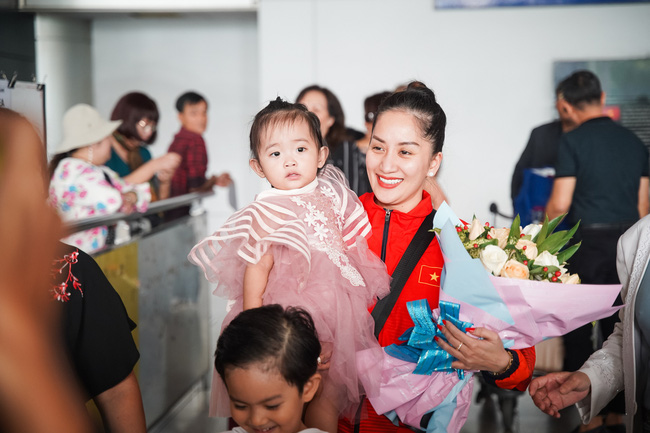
37, 389
130, 157
601, 180
531, 189
344, 152
370, 106
81, 186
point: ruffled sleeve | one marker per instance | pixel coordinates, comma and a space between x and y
245, 237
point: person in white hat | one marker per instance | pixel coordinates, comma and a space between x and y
81, 186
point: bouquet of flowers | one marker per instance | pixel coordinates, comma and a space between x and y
519, 298
532, 253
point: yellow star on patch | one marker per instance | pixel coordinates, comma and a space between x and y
434, 277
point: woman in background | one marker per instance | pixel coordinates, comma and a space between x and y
81, 186
130, 157
344, 152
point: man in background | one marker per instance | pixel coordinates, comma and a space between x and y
601, 180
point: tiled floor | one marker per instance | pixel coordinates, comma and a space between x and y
484, 417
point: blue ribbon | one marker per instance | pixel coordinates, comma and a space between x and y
421, 347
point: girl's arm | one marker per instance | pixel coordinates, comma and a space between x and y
255, 278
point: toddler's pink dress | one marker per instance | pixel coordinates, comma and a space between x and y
317, 235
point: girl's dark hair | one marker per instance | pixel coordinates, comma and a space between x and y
420, 101
130, 109
281, 112
280, 339
337, 133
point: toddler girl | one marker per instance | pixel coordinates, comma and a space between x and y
301, 243
267, 358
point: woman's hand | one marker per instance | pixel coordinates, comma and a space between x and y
129, 201
168, 162
325, 356
483, 353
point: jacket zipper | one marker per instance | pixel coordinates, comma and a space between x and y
384, 241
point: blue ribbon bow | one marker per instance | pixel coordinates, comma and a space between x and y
421, 347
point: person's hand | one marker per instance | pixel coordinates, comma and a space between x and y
223, 179
165, 176
483, 353
129, 200
556, 391
168, 162
325, 356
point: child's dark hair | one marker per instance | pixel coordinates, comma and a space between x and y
281, 112
188, 98
420, 101
280, 339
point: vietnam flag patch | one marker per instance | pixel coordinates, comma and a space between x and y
430, 275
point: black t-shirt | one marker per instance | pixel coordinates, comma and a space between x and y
96, 326
608, 162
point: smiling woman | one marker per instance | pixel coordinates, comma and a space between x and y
405, 149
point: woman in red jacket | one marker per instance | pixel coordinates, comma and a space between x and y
405, 149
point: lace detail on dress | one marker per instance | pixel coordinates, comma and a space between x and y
326, 221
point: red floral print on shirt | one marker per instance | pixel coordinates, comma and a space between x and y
60, 291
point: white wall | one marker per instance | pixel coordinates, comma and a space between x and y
63, 63
490, 68
215, 55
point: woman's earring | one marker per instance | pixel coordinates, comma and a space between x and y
430, 174
89, 155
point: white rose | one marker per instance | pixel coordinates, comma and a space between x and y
475, 229
531, 248
501, 235
514, 269
570, 278
493, 259
532, 230
546, 259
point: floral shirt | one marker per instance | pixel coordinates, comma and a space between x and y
80, 190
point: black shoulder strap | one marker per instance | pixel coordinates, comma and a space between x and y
411, 257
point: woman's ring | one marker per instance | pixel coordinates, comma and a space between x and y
459, 346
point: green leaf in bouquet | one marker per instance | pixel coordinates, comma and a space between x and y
485, 243
539, 270
514, 229
541, 236
568, 253
556, 241
556, 222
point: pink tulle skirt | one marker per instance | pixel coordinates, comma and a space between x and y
339, 310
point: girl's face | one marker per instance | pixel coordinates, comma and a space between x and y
289, 157
316, 102
398, 161
261, 400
